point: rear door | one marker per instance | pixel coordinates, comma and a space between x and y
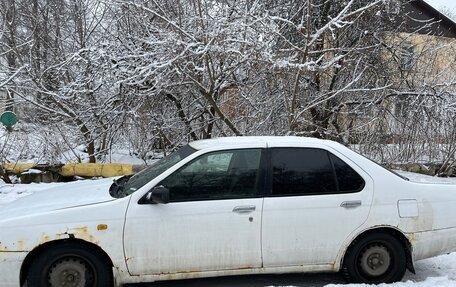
318, 197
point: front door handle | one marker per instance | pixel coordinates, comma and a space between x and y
351, 204
244, 209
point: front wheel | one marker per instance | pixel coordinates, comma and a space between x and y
69, 265
375, 258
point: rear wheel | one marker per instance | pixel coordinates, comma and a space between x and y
375, 258
69, 265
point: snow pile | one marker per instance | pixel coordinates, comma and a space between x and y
416, 177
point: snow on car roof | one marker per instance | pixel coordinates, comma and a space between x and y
253, 140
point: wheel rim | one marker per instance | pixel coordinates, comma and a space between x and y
71, 272
375, 260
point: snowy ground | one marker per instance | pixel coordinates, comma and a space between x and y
435, 272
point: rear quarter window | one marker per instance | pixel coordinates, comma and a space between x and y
347, 178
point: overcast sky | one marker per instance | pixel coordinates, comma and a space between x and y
440, 3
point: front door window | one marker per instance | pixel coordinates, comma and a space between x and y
218, 175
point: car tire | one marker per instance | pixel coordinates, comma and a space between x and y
375, 258
69, 264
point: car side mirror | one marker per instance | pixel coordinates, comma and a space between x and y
158, 194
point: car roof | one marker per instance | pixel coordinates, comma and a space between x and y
256, 140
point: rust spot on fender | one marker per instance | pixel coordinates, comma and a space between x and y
102, 226
412, 238
20, 245
17, 246
83, 229
25, 245
82, 233
44, 238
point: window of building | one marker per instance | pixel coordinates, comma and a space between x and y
407, 57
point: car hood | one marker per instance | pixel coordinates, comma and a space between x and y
69, 195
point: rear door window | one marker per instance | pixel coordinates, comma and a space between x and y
311, 171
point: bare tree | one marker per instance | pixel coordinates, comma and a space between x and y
155, 74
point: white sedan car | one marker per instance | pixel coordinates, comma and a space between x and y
230, 206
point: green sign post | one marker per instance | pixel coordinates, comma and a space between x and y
8, 119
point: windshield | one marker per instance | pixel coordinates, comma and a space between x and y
126, 185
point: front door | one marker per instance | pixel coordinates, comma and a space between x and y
317, 201
213, 220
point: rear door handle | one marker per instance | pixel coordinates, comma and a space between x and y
244, 209
351, 204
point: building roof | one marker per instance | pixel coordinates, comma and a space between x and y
420, 17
